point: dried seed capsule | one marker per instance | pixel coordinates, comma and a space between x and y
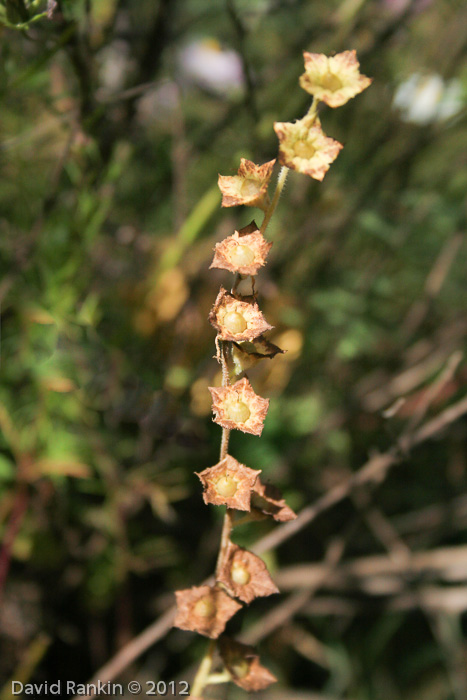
267, 499
238, 406
334, 79
204, 609
249, 186
229, 483
243, 664
245, 575
303, 146
237, 319
245, 251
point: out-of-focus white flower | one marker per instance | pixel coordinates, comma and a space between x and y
397, 7
115, 65
424, 99
206, 64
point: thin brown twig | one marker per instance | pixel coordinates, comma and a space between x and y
446, 563
435, 598
433, 285
434, 391
420, 361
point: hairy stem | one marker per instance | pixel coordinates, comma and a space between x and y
224, 443
225, 538
225, 382
284, 171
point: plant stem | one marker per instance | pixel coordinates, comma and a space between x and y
222, 677
224, 443
313, 111
225, 538
225, 382
284, 171
204, 669
203, 676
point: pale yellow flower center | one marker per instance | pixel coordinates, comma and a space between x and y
250, 188
330, 82
240, 667
226, 486
238, 411
239, 574
242, 255
205, 607
304, 149
234, 322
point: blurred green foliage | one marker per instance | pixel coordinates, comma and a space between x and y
110, 150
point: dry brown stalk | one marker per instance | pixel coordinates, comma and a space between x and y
304, 147
446, 563
432, 598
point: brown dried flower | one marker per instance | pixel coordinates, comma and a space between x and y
235, 319
229, 483
248, 354
244, 251
245, 575
243, 664
204, 609
335, 79
305, 147
249, 186
238, 406
268, 499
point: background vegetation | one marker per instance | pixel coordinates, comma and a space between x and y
109, 210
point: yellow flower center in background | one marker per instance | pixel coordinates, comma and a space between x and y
330, 82
234, 322
242, 255
240, 667
303, 149
205, 607
239, 574
250, 188
226, 486
238, 412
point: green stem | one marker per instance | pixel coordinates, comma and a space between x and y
222, 677
313, 111
201, 678
284, 171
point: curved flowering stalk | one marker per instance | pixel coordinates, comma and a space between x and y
241, 575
